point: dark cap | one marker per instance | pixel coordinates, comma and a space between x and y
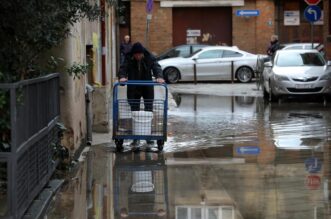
137, 48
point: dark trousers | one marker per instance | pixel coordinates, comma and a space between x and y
134, 93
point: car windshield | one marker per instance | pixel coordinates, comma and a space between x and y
300, 59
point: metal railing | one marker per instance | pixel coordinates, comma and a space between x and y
27, 164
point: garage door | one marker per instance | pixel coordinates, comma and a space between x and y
214, 25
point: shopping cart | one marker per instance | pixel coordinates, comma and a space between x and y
140, 186
140, 124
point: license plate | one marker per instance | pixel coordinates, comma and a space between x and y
302, 86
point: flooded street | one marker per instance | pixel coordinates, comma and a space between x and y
226, 157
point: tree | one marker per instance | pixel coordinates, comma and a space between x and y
28, 28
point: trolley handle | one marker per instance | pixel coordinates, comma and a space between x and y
139, 83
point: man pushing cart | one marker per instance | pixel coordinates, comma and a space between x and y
132, 118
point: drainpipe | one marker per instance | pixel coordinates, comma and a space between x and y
89, 113
103, 41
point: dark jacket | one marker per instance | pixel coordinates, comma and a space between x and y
150, 66
125, 48
273, 47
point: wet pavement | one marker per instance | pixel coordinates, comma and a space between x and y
226, 157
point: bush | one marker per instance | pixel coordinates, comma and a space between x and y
28, 28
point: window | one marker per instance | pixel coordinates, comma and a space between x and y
229, 54
293, 47
300, 59
182, 51
211, 54
197, 47
204, 212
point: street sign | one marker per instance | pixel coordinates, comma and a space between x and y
149, 6
313, 13
313, 182
193, 33
312, 2
313, 165
251, 150
248, 13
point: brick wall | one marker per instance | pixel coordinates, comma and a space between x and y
160, 30
265, 24
253, 33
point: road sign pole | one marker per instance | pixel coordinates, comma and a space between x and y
312, 34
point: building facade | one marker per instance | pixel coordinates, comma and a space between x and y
220, 22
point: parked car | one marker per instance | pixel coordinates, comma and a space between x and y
299, 46
211, 63
297, 72
180, 51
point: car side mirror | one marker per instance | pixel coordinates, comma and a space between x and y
268, 64
329, 63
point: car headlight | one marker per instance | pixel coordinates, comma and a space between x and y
326, 77
280, 78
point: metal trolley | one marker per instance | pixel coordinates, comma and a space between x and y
140, 186
140, 125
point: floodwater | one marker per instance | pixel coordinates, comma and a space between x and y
225, 158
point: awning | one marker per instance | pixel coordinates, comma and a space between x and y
202, 3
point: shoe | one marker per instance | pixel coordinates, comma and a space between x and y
149, 142
135, 143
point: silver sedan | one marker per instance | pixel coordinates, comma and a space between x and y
296, 72
211, 63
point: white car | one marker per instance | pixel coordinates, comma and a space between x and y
299, 46
297, 72
211, 63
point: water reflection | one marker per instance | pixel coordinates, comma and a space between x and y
226, 158
298, 126
207, 120
140, 186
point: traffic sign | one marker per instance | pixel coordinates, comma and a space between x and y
313, 13
251, 150
313, 182
313, 165
149, 6
248, 13
312, 2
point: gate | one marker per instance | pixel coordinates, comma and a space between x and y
26, 152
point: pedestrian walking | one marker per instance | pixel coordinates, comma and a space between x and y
125, 48
140, 64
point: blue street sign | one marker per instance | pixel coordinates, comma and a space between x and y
248, 13
313, 13
149, 6
313, 165
252, 150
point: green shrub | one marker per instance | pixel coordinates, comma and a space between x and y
28, 28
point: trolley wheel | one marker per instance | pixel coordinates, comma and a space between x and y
160, 144
119, 144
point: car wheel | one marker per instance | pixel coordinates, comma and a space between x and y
244, 74
172, 75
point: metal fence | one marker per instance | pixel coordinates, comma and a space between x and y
27, 164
